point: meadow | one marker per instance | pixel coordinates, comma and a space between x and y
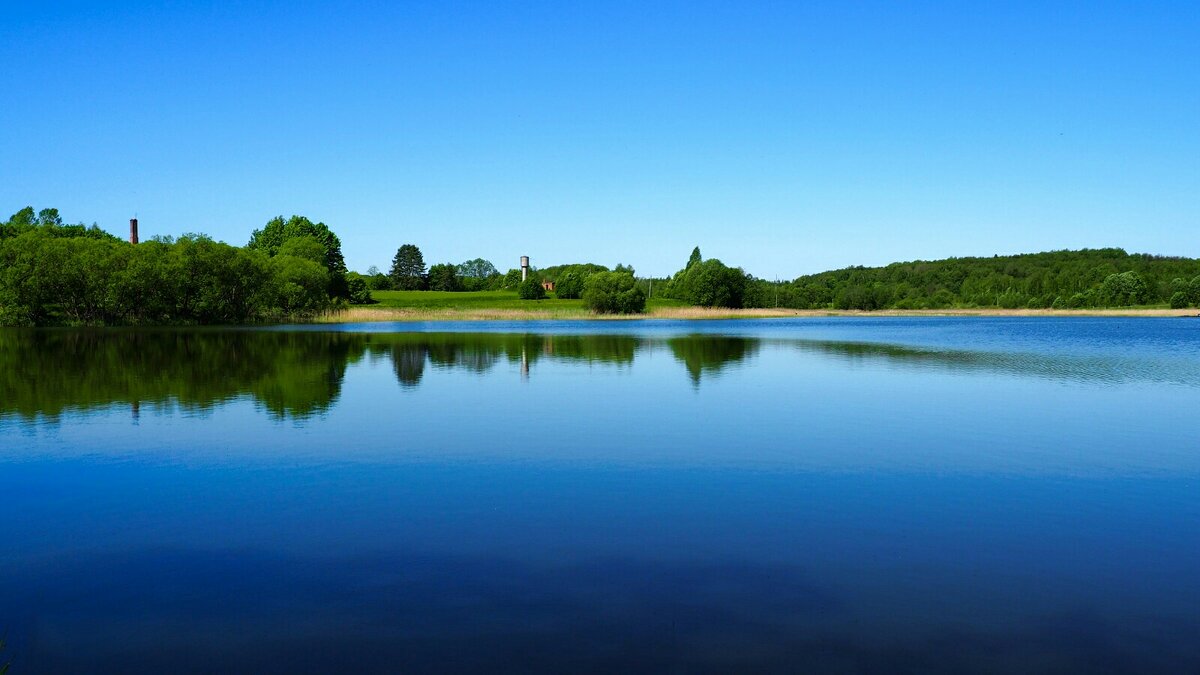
506, 306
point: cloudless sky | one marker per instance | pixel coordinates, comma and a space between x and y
782, 137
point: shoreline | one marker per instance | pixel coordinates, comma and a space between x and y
366, 314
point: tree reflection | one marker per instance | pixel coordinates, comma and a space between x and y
480, 353
290, 374
710, 354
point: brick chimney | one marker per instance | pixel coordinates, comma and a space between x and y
133, 238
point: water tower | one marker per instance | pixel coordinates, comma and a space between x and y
524, 267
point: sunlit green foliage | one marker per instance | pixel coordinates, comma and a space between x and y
54, 274
49, 223
569, 285
478, 275
710, 283
359, 289
444, 277
531, 289
1059, 279
408, 269
279, 237
613, 293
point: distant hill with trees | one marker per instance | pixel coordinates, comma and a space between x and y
1107, 277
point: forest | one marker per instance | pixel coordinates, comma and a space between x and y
1087, 278
53, 273
56, 274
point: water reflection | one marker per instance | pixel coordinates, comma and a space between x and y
1114, 368
296, 375
49, 373
710, 354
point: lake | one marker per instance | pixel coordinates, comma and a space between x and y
837, 495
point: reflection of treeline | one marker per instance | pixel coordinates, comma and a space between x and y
1080, 368
480, 352
289, 374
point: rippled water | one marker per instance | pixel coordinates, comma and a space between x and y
848, 495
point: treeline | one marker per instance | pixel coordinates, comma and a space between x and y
56, 274
52, 273
602, 290
1107, 277
1087, 278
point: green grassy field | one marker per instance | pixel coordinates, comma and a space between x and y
486, 300
506, 306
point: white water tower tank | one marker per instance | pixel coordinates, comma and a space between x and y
524, 267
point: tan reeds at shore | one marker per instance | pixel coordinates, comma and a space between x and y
368, 314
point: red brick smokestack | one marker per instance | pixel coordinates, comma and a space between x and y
133, 239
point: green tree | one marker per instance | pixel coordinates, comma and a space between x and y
277, 232
613, 293
512, 278
1126, 288
694, 258
531, 289
476, 275
408, 269
569, 285
476, 269
360, 290
710, 283
306, 247
49, 217
300, 284
444, 277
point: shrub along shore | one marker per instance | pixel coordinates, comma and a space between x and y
292, 269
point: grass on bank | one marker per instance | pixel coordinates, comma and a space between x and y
474, 305
468, 300
506, 306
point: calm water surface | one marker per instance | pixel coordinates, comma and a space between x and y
845, 495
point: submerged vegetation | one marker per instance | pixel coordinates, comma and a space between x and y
53, 273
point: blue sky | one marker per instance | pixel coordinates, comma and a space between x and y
781, 137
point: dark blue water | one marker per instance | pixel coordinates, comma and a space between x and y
843, 495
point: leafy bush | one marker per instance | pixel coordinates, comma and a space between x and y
49, 279
569, 285
360, 290
709, 283
613, 293
1179, 300
531, 289
1126, 288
